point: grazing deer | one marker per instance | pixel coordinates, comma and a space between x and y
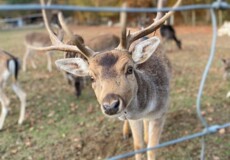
9, 67
168, 33
129, 85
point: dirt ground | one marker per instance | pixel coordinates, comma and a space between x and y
60, 126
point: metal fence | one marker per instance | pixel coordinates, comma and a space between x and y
212, 7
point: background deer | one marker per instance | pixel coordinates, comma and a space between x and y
168, 33
9, 67
131, 86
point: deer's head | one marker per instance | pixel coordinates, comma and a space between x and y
113, 72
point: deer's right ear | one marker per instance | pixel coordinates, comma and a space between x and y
75, 66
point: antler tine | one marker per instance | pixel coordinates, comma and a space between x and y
63, 24
123, 38
154, 26
53, 37
159, 6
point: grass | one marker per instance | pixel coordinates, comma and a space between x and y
60, 126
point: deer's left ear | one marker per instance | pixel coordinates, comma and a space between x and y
144, 49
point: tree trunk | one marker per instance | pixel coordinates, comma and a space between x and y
193, 18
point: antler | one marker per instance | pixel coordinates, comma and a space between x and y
59, 45
63, 25
127, 40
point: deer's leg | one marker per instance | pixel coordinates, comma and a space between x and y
137, 133
77, 86
146, 133
5, 103
22, 96
155, 129
126, 131
49, 61
32, 62
25, 58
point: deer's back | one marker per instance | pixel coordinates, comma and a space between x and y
38, 39
103, 42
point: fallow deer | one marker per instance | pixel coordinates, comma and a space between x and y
131, 86
9, 67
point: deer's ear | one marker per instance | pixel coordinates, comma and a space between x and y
144, 49
75, 66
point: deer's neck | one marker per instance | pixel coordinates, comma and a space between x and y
152, 93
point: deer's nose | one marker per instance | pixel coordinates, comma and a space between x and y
112, 108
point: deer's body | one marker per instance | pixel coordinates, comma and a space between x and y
103, 42
9, 67
36, 39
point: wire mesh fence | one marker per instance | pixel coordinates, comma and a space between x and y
212, 7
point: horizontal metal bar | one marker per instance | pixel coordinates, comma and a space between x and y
108, 9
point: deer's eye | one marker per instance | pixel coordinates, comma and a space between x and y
129, 70
92, 79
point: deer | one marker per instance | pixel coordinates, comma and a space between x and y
129, 85
168, 33
9, 68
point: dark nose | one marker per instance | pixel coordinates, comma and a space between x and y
112, 108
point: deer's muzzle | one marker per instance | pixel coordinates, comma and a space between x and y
111, 104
